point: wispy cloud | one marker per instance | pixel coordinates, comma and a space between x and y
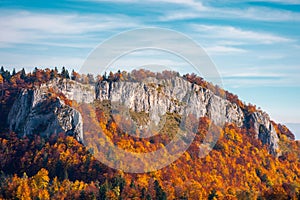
236, 34
27, 27
292, 2
269, 56
217, 50
249, 13
253, 80
191, 3
263, 14
261, 76
198, 5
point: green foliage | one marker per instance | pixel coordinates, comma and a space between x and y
159, 192
213, 195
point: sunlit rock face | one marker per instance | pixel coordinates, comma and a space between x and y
34, 112
264, 130
81, 93
157, 97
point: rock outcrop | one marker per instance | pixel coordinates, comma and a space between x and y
157, 97
264, 130
34, 112
81, 93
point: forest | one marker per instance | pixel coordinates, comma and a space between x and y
60, 167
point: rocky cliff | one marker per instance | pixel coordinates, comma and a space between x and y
35, 112
157, 97
81, 93
38, 112
264, 130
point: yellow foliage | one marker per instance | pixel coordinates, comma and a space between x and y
43, 194
23, 190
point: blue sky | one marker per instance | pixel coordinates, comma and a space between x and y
255, 44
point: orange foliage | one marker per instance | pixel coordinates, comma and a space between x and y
237, 167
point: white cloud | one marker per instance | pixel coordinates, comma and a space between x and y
271, 56
291, 2
27, 27
113, 1
261, 75
188, 3
294, 2
191, 3
217, 50
249, 13
253, 75
173, 15
263, 14
235, 34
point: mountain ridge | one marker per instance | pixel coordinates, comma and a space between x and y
152, 96
239, 166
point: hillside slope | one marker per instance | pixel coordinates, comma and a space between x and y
253, 157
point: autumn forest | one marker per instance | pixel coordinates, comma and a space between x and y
61, 167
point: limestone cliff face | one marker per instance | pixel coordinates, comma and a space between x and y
264, 130
73, 90
36, 112
158, 97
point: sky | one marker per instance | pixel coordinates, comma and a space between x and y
254, 44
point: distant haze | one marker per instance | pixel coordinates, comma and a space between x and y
295, 128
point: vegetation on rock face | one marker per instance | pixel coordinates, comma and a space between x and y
238, 167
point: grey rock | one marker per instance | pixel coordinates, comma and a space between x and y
157, 97
81, 93
264, 130
35, 113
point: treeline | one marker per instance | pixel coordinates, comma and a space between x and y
12, 82
38, 76
142, 74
